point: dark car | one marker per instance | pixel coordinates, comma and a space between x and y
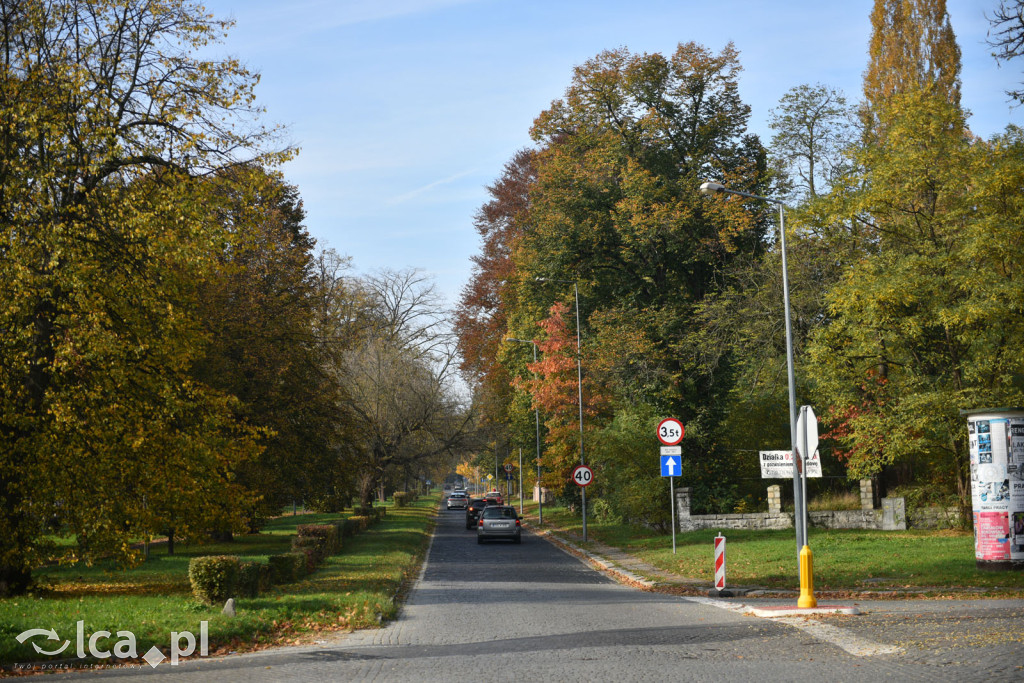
499, 521
476, 506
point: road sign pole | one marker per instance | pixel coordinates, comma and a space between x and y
672, 508
805, 457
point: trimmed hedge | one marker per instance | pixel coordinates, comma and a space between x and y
214, 578
285, 567
329, 534
315, 546
253, 578
349, 527
402, 498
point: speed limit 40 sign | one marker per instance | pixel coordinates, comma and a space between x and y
582, 475
670, 431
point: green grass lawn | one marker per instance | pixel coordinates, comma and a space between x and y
353, 589
844, 559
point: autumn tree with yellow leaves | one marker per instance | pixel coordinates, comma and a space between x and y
107, 122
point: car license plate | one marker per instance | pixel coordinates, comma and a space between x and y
501, 525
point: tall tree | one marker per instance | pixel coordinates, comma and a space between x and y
259, 311
1007, 35
615, 209
912, 49
813, 127
400, 380
481, 316
907, 344
105, 116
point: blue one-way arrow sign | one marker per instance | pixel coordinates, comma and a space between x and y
670, 465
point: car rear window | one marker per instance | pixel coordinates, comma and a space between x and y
499, 513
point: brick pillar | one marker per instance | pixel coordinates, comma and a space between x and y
867, 494
775, 500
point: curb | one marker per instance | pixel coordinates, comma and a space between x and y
623, 575
775, 612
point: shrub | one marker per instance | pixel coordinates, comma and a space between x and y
305, 561
214, 578
401, 499
362, 521
315, 545
282, 568
328, 533
253, 578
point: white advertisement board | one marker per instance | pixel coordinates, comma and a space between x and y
779, 465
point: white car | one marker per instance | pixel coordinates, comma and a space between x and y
457, 501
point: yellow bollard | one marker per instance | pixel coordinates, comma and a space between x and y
806, 600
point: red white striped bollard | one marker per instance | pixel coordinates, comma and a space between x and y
720, 562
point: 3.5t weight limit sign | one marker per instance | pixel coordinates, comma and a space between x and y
670, 431
583, 475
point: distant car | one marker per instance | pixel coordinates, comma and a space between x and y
499, 521
494, 497
457, 500
473, 510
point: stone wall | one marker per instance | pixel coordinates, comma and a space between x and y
934, 518
892, 516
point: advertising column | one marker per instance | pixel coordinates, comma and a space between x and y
997, 486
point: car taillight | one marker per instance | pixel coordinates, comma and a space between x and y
517, 523
481, 522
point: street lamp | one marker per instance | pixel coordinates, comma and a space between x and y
579, 383
536, 415
799, 495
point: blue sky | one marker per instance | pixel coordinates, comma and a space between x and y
405, 110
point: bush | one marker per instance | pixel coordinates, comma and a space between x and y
283, 568
305, 561
401, 499
253, 578
214, 578
315, 545
346, 527
362, 521
328, 533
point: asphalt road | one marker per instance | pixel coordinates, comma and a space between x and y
529, 612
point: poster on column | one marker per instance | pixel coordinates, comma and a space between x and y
997, 485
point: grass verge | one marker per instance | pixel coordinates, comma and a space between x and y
358, 588
845, 560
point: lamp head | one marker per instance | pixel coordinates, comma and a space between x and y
711, 187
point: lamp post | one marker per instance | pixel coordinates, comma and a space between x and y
536, 415
579, 384
799, 495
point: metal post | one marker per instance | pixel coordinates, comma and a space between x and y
672, 497
520, 480
799, 502
579, 385
536, 418
798, 499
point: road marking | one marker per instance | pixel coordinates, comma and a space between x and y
840, 637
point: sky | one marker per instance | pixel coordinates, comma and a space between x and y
406, 110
